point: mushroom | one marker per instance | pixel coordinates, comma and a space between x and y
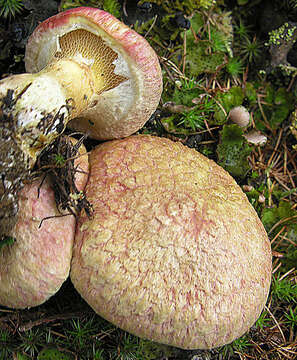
36, 264
255, 137
84, 65
174, 252
240, 116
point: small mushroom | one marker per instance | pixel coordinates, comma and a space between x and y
240, 116
36, 264
174, 252
255, 137
84, 64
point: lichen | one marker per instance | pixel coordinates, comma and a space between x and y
285, 33
280, 42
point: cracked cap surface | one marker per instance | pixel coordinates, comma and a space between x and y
175, 252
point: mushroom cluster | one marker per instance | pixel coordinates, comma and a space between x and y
174, 252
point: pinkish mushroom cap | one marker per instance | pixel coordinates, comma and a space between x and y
35, 266
127, 80
175, 252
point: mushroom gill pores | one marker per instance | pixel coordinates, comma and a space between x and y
84, 64
174, 252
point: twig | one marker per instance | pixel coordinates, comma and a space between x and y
29, 325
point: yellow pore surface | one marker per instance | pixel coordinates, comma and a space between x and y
89, 49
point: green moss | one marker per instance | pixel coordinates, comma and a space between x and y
235, 67
53, 354
233, 151
189, 122
208, 53
250, 50
251, 93
9, 8
283, 289
185, 6
199, 60
185, 96
228, 100
272, 215
111, 6
276, 106
283, 104
239, 345
218, 41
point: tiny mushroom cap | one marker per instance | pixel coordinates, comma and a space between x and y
255, 137
36, 264
174, 252
126, 77
240, 116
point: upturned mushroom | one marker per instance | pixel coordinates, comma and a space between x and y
174, 252
36, 264
83, 64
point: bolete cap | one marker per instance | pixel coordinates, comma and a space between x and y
127, 74
35, 265
175, 252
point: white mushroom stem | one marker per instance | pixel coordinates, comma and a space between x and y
41, 104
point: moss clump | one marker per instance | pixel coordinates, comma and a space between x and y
276, 107
228, 100
273, 215
209, 52
233, 151
185, 6
111, 6
199, 60
51, 353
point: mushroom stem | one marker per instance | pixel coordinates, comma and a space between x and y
40, 105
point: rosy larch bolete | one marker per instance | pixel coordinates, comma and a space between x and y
174, 252
83, 64
36, 264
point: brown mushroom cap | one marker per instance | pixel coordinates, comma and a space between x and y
35, 266
126, 69
175, 252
